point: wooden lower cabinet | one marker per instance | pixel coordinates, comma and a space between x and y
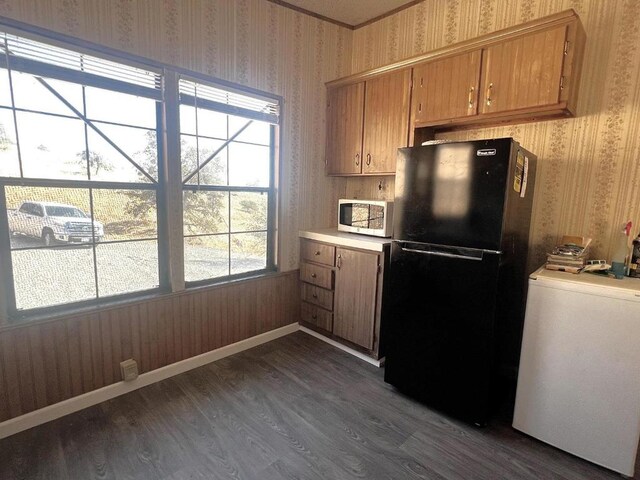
343, 299
355, 296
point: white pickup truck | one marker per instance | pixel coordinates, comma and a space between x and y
54, 222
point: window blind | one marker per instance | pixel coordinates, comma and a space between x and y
229, 101
24, 54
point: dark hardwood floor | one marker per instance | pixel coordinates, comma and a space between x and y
295, 408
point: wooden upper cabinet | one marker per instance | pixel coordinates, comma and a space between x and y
386, 121
447, 89
525, 73
345, 116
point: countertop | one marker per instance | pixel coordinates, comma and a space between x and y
345, 239
587, 281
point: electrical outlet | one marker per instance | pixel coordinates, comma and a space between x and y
129, 370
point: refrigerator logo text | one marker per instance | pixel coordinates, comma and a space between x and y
485, 152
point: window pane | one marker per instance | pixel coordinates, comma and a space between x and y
212, 124
248, 252
187, 119
67, 216
9, 164
214, 172
5, 92
206, 257
256, 132
117, 107
126, 214
248, 211
248, 165
51, 147
30, 94
108, 164
205, 212
53, 276
127, 267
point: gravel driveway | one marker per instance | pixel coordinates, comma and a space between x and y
62, 275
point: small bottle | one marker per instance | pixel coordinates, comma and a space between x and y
634, 265
621, 253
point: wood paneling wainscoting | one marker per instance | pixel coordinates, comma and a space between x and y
46, 362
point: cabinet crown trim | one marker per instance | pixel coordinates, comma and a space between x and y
561, 18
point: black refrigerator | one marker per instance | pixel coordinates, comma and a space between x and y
455, 296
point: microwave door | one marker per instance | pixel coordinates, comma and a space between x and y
363, 217
360, 215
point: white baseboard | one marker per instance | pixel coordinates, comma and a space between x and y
355, 353
74, 404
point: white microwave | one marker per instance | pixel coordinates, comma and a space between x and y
368, 217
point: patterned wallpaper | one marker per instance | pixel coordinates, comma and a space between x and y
588, 174
588, 179
251, 42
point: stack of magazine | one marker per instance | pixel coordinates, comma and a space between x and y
570, 255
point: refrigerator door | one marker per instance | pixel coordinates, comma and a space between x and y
439, 326
453, 194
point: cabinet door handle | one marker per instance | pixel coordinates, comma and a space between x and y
368, 159
489, 99
313, 275
339, 262
471, 90
357, 159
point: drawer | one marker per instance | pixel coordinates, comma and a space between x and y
317, 252
317, 316
317, 275
318, 296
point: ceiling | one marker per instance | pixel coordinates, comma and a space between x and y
349, 12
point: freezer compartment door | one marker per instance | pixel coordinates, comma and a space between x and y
439, 327
452, 194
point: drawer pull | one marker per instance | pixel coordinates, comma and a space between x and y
314, 316
313, 275
317, 253
315, 295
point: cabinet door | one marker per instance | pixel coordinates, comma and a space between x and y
524, 72
446, 89
345, 114
355, 296
386, 121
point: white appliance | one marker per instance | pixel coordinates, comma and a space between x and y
368, 217
579, 377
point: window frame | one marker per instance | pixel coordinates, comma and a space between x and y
270, 190
165, 136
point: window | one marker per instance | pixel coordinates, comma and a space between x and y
78, 174
86, 207
227, 155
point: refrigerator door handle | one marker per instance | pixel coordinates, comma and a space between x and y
445, 254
